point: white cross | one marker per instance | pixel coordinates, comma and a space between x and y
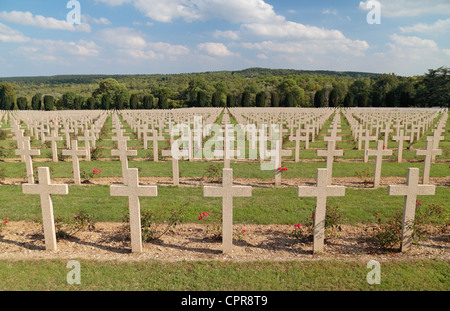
53, 138
411, 190
75, 153
45, 189
379, 153
227, 192
26, 152
123, 154
330, 153
321, 192
133, 191
428, 152
400, 138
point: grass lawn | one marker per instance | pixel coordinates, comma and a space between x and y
266, 206
51, 275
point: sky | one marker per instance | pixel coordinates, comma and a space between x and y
58, 37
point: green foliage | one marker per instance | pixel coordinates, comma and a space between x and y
246, 88
7, 96
49, 102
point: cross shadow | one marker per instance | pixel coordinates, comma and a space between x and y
25, 245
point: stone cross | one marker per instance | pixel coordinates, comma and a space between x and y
411, 190
227, 192
123, 154
175, 167
133, 191
428, 152
298, 138
66, 131
45, 189
321, 192
74, 152
436, 138
379, 153
387, 130
53, 138
26, 152
400, 138
87, 145
155, 138
330, 153
367, 138
281, 153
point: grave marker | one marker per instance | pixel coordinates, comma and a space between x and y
379, 153
45, 189
321, 192
227, 192
411, 190
133, 191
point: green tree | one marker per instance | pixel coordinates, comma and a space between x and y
245, 99
91, 103
147, 102
348, 100
261, 99
202, 99
36, 102
434, 89
216, 99
106, 101
68, 100
7, 96
231, 100
134, 101
49, 102
115, 90
22, 103
274, 99
163, 102
78, 102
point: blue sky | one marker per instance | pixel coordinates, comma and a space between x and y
180, 36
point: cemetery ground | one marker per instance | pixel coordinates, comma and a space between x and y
268, 251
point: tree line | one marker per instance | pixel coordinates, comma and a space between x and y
250, 88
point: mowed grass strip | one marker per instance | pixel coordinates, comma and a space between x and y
266, 206
51, 275
240, 169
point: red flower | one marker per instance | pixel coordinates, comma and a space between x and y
243, 230
312, 217
280, 168
284, 168
298, 226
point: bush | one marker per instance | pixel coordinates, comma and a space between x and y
388, 235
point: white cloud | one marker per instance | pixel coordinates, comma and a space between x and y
9, 35
28, 19
235, 11
59, 50
292, 30
215, 49
99, 21
414, 42
410, 8
439, 27
329, 12
133, 44
123, 37
229, 34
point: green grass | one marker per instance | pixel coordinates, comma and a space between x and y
266, 206
51, 275
240, 169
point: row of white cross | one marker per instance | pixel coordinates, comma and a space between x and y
133, 190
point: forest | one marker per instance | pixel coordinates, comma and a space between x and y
253, 87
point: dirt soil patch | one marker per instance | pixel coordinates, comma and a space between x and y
191, 242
